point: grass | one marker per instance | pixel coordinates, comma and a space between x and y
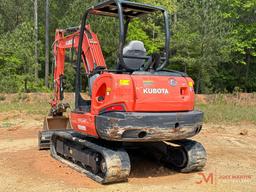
227, 113
34, 104
28, 108
229, 108
5, 124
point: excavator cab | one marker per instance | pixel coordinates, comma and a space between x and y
131, 57
139, 103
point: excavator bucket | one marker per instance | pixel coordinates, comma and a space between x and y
51, 125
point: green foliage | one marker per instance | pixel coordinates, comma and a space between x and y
212, 40
69, 78
17, 60
243, 16
200, 40
147, 31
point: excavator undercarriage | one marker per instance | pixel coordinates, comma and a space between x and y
108, 162
99, 160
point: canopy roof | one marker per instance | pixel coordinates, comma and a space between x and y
130, 9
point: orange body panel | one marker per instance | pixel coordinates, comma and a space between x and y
155, 93
84, 123
115, 89
143, 93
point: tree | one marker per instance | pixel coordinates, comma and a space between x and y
46, 42
200, 40
18, 57
212, 40
243, 16
36, 38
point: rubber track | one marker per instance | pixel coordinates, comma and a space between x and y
44, 138
117, 160
196, 155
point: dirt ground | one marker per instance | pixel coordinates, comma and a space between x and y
230, 166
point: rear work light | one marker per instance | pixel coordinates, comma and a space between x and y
112, 108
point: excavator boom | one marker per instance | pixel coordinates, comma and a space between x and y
92, 56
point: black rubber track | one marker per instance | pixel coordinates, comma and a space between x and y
117, 161
195, 153
182, 155
44, 138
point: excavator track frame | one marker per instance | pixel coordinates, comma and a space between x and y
99, 161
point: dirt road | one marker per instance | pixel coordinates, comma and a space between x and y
231, 163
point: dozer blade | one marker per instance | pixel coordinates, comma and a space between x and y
51, 125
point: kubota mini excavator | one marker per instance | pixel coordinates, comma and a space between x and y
140, 103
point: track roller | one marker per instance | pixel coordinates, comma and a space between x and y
97, 160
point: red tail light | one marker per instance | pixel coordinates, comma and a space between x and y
183, 91
113, 108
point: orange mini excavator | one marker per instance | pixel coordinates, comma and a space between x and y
139, 104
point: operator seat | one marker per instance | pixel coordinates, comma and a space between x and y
134, 48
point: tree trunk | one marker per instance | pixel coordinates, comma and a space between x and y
26, 85
198, 82
36, 38
185, 67
175, 19
46, 43
248, 61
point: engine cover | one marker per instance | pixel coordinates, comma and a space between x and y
143, 92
